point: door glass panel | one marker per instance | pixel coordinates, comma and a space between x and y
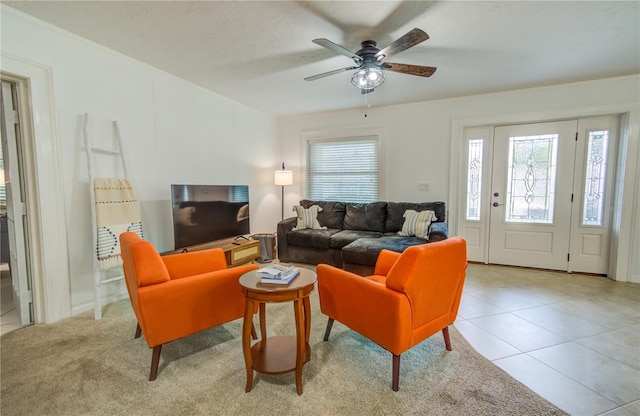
595, 178
474, 179
531, 179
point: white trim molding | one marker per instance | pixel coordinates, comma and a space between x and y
47, 231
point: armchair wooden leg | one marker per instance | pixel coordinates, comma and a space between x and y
155, 359
328, 330
395, 380
447, 341
254, 334
138, 331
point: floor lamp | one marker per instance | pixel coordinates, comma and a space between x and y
283, 178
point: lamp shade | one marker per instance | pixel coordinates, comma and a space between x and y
283, 177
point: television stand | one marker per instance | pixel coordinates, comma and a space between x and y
236, 251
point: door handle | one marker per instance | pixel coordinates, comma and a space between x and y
495, 204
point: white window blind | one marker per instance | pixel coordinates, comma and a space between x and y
343, 170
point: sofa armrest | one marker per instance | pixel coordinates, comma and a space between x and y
438, 231
284, 227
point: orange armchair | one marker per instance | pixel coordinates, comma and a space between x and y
180, 294
411, 296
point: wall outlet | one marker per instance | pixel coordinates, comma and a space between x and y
423, 186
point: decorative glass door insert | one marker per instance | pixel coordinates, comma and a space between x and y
531, 181
595, 178
474, 179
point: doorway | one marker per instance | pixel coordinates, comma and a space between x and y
16, 283
539, 195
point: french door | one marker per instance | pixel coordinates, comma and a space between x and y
539, 195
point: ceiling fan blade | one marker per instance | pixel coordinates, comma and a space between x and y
338, 49
412, 38
326, 74
422, 71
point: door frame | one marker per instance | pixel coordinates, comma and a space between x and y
626, 173
46, 216
17, 226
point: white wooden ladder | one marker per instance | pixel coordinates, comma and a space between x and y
100, 277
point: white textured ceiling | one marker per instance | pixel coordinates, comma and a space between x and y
258, 53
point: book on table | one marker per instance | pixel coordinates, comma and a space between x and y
277, 274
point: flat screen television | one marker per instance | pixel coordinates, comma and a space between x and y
205, 213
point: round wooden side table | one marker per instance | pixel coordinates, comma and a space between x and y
277, 354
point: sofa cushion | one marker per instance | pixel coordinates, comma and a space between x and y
366, 217
395, 213
311, 238
307, 217
344, 237
417, 223
366, 250
332, 214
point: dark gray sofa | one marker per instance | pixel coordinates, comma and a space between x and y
355, 233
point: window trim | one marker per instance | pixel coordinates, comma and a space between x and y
379, 131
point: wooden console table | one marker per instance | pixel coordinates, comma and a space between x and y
236, 250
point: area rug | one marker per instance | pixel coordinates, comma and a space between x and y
82, 366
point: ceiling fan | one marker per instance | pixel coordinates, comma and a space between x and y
369, 60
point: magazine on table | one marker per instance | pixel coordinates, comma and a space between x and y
274, 270
277, 274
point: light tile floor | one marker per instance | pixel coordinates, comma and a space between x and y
9, 319
573, 339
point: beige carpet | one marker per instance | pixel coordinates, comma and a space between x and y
85, 367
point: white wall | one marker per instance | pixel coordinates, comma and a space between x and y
173, 132
420, 137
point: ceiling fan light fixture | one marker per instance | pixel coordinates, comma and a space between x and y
368, 78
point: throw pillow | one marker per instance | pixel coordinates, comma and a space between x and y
417, 223
307, 217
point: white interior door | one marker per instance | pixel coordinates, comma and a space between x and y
531, 192
16, 213
593, 190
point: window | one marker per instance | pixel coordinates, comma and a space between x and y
343, 169
595, 178
239, 193
474, 179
